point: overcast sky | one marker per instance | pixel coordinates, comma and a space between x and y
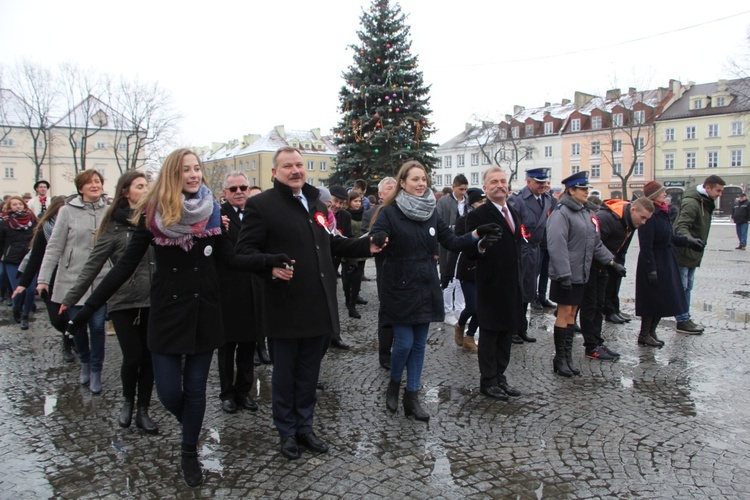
239, 67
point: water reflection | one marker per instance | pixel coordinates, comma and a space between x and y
50, 402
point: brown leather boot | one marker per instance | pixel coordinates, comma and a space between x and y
469, 345
458, 334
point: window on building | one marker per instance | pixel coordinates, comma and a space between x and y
474, 159
549, 127
323, 166
439, 162
617, 146
448, 163
254, 181
575, 125
10, 173
735, 157
638, 170
596, 148
7, 142
529, 154
548, 151
737, 128
485, 159
122, 146
690, 159
596, 171
698, 104
475, 178
255, 166
528, 131
574, 169
712, 159
690, 132
515, 132
447, 180
596, 122
575, 149
101, 145
617, 168
503, 134
321, 182
668, 161
310, 165
460, 160
639, 117
668, 134
640, 143
713, 130
719, 102
617, 120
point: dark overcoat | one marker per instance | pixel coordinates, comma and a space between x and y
658, 253
274, 223
410, 291
533, 219
498, 274
236, 290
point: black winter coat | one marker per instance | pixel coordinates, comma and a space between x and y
408, 277
616, 229
657, 242
467, 262
275, 222
14, 243
498, 274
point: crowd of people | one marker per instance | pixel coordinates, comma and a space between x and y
182, 276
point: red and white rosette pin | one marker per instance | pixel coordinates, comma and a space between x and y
595, 221
322, 221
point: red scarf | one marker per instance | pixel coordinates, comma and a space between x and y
20, 220
662, 206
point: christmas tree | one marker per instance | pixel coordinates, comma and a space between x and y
384, 102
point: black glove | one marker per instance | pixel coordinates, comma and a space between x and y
619, 269
378, 239
696, 244
489, 239
491, 228
566, 284
277, 260
652, 278
79, 322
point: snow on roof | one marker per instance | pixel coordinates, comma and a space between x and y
92, 110
272, 141
12, 109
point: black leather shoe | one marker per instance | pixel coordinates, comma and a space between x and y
312, 442
289, 448
339, 344
509, 390
516, 339
625, 317
548, 303
525, 337
361, 301
386, 363
247, 403
614, 318
228, 406
494, 392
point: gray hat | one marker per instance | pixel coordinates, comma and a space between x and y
325, 195
339, 192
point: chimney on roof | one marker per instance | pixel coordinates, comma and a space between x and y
676, 87
546, 114
581, 99
249, 139
613, 94
631, 91
546, 104
722, 85
215, 146
518, 109
508, 118
468, 127
316, 133
232, 143
565, 102
280, 130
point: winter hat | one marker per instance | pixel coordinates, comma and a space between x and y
652, 190
339, 192
473, 195
325, 195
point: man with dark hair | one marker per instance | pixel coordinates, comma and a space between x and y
740, 215
450, 207
694, 220
40, 200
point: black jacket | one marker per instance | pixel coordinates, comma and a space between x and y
741, 212
616, 229
14, 243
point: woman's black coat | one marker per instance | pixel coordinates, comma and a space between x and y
14, 243
409, 285
657, 242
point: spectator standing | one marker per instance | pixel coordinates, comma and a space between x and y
450, 207
740, 216
17, 224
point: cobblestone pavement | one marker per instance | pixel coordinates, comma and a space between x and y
668, 423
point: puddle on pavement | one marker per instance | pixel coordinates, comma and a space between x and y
209, 461
50, 402
626, 382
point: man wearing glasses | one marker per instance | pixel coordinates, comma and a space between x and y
239, 323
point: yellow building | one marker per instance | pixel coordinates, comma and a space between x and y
703, 133
253, 157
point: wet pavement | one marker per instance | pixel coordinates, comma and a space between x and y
663, 423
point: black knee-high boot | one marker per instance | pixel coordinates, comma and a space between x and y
644, 337
652, 331
570, 332
560, 363
191, 468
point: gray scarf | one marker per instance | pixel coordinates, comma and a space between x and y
417, 208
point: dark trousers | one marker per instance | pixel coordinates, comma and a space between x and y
242, 354
294, 381
136, 371
612, 294
470, 308
592, 307
181, 386
385, 341
543, 272
493, 356
351, 278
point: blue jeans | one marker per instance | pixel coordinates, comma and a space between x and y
181, 387
742, 233
409, 343
90, 351
687, 275
27, 297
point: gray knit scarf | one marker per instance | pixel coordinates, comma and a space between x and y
417, 208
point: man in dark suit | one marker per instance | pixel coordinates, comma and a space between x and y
498, 286
299, 307
236, 293
339, 198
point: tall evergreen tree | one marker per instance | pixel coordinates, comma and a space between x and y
384, 103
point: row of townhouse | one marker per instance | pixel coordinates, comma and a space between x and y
88, 134
677, 134
254, 154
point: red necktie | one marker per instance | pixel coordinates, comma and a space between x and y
509, 219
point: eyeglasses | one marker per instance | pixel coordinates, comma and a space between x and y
234, 189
